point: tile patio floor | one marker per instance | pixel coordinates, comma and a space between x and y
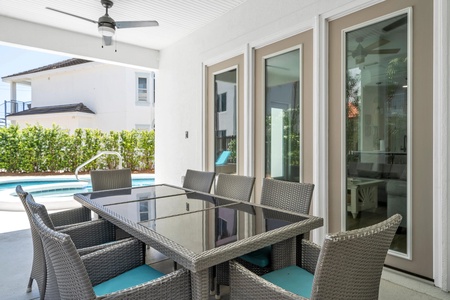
16, 256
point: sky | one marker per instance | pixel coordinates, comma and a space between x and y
14, 60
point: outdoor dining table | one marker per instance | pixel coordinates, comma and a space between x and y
198, 230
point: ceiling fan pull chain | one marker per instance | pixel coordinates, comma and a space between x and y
115, 42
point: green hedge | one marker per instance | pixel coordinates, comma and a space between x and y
38, 149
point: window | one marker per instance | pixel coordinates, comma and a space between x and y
222, 102
144, 88
143, 127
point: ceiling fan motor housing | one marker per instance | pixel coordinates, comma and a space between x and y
106, 26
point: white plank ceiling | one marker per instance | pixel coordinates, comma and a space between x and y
177, 18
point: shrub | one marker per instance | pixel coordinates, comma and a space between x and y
39, 149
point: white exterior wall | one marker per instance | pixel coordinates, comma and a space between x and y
180, 85
108, 90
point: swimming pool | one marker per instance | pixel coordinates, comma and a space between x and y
55, 192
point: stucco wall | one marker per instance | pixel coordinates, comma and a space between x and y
179, 90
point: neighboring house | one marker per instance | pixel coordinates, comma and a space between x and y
78, 93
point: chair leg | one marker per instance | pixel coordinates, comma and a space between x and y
30, 285
212, 276
217, 291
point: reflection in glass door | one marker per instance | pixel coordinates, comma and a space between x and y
377, 125
225, 114
282, 116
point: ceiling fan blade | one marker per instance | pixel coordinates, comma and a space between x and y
72, 15
396, 24
384, 51
107, 40
376, 44
134, 24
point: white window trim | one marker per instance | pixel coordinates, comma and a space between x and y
150, 88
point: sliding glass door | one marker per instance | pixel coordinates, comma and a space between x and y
377, 125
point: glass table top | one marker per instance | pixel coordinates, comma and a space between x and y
156, 208
207, 229
196, 221
135, 194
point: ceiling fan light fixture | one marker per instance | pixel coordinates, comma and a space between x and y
106, 30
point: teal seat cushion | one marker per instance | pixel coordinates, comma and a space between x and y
293, 279
128, 279
260, 257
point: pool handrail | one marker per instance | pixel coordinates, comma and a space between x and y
100, 153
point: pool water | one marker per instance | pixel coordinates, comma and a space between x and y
56, 192
44, 183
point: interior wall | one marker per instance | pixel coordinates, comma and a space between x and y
179, 89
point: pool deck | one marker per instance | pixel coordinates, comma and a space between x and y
16, 257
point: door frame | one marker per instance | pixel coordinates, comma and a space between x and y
324, 36
229, 64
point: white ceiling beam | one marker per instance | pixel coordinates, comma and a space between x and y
36, 36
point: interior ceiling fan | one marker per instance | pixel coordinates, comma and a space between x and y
107, 25
360, 53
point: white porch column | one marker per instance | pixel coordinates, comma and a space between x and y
13, 97
441, 145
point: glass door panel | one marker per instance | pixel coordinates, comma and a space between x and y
282, 116
377, 125
225, 114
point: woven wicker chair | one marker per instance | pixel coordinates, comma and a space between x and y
235, 187
110, 179
292, 196
348, 266
88, 235
198, 180
285, 195
116, 272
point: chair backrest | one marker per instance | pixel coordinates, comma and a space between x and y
46, 278
64, 264
38, 269
235, 186
350, 263
198, 180
110, 179
293, 196
40, 209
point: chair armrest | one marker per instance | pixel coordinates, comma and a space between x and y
176, 285
245, 284
71, 216
91, 233
310, 256
87, 250
111, 261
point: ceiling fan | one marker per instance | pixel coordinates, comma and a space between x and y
107, 26
360, 53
